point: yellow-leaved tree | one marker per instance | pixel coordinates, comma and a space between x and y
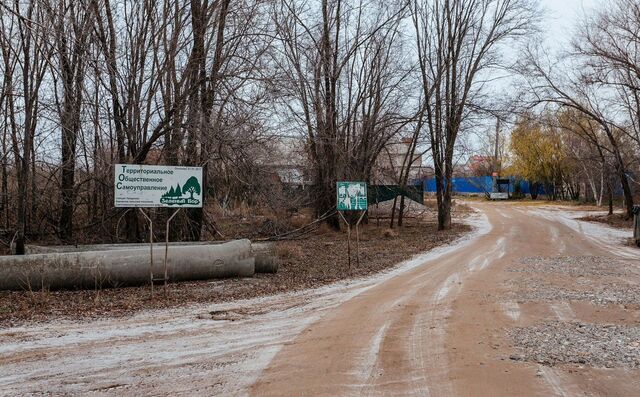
538, 156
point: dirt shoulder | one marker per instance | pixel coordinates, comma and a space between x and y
618, 221
314, 261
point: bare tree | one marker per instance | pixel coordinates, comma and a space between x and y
71, 32
574, 91
342, 83
609, 44
411, 156
594, 156
7, 66
127, 34
458, 45
24, 31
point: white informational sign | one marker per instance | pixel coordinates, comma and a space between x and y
157, 186
499, 196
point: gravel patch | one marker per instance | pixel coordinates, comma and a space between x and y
600, 294
600, 346
596, 279
577, 266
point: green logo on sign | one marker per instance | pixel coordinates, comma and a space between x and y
352, 196
175, 196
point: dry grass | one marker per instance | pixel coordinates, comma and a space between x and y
616, 220
390, 233
288, 252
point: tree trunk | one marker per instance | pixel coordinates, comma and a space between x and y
95, 186
25, 162
401, 212
393, 212
195, 216
4, 187
610, 194
71, 65
23, 183
70, 128
444, 221
621, 171
626, 189
601, 192
591, 182
443, 197
325, 201
534, 187
67, 183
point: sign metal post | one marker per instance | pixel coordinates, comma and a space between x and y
151, 247
166, 249
358, 238
348, 238
352, 197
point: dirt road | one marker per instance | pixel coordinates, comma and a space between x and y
434, 326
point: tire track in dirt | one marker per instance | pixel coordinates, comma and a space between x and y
412, 328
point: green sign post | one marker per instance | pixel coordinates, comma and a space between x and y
352, 196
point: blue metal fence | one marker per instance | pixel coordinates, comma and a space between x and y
479, 185
484, 184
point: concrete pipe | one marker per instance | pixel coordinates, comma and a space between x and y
267, 260
267, 263
125, 267
50, 249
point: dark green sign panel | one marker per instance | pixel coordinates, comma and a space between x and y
352, 196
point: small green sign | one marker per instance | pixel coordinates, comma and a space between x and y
352, 196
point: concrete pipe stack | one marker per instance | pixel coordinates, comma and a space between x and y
130, 266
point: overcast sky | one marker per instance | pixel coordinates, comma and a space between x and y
561, 17
558, 26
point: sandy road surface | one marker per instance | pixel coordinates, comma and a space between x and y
434, 326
